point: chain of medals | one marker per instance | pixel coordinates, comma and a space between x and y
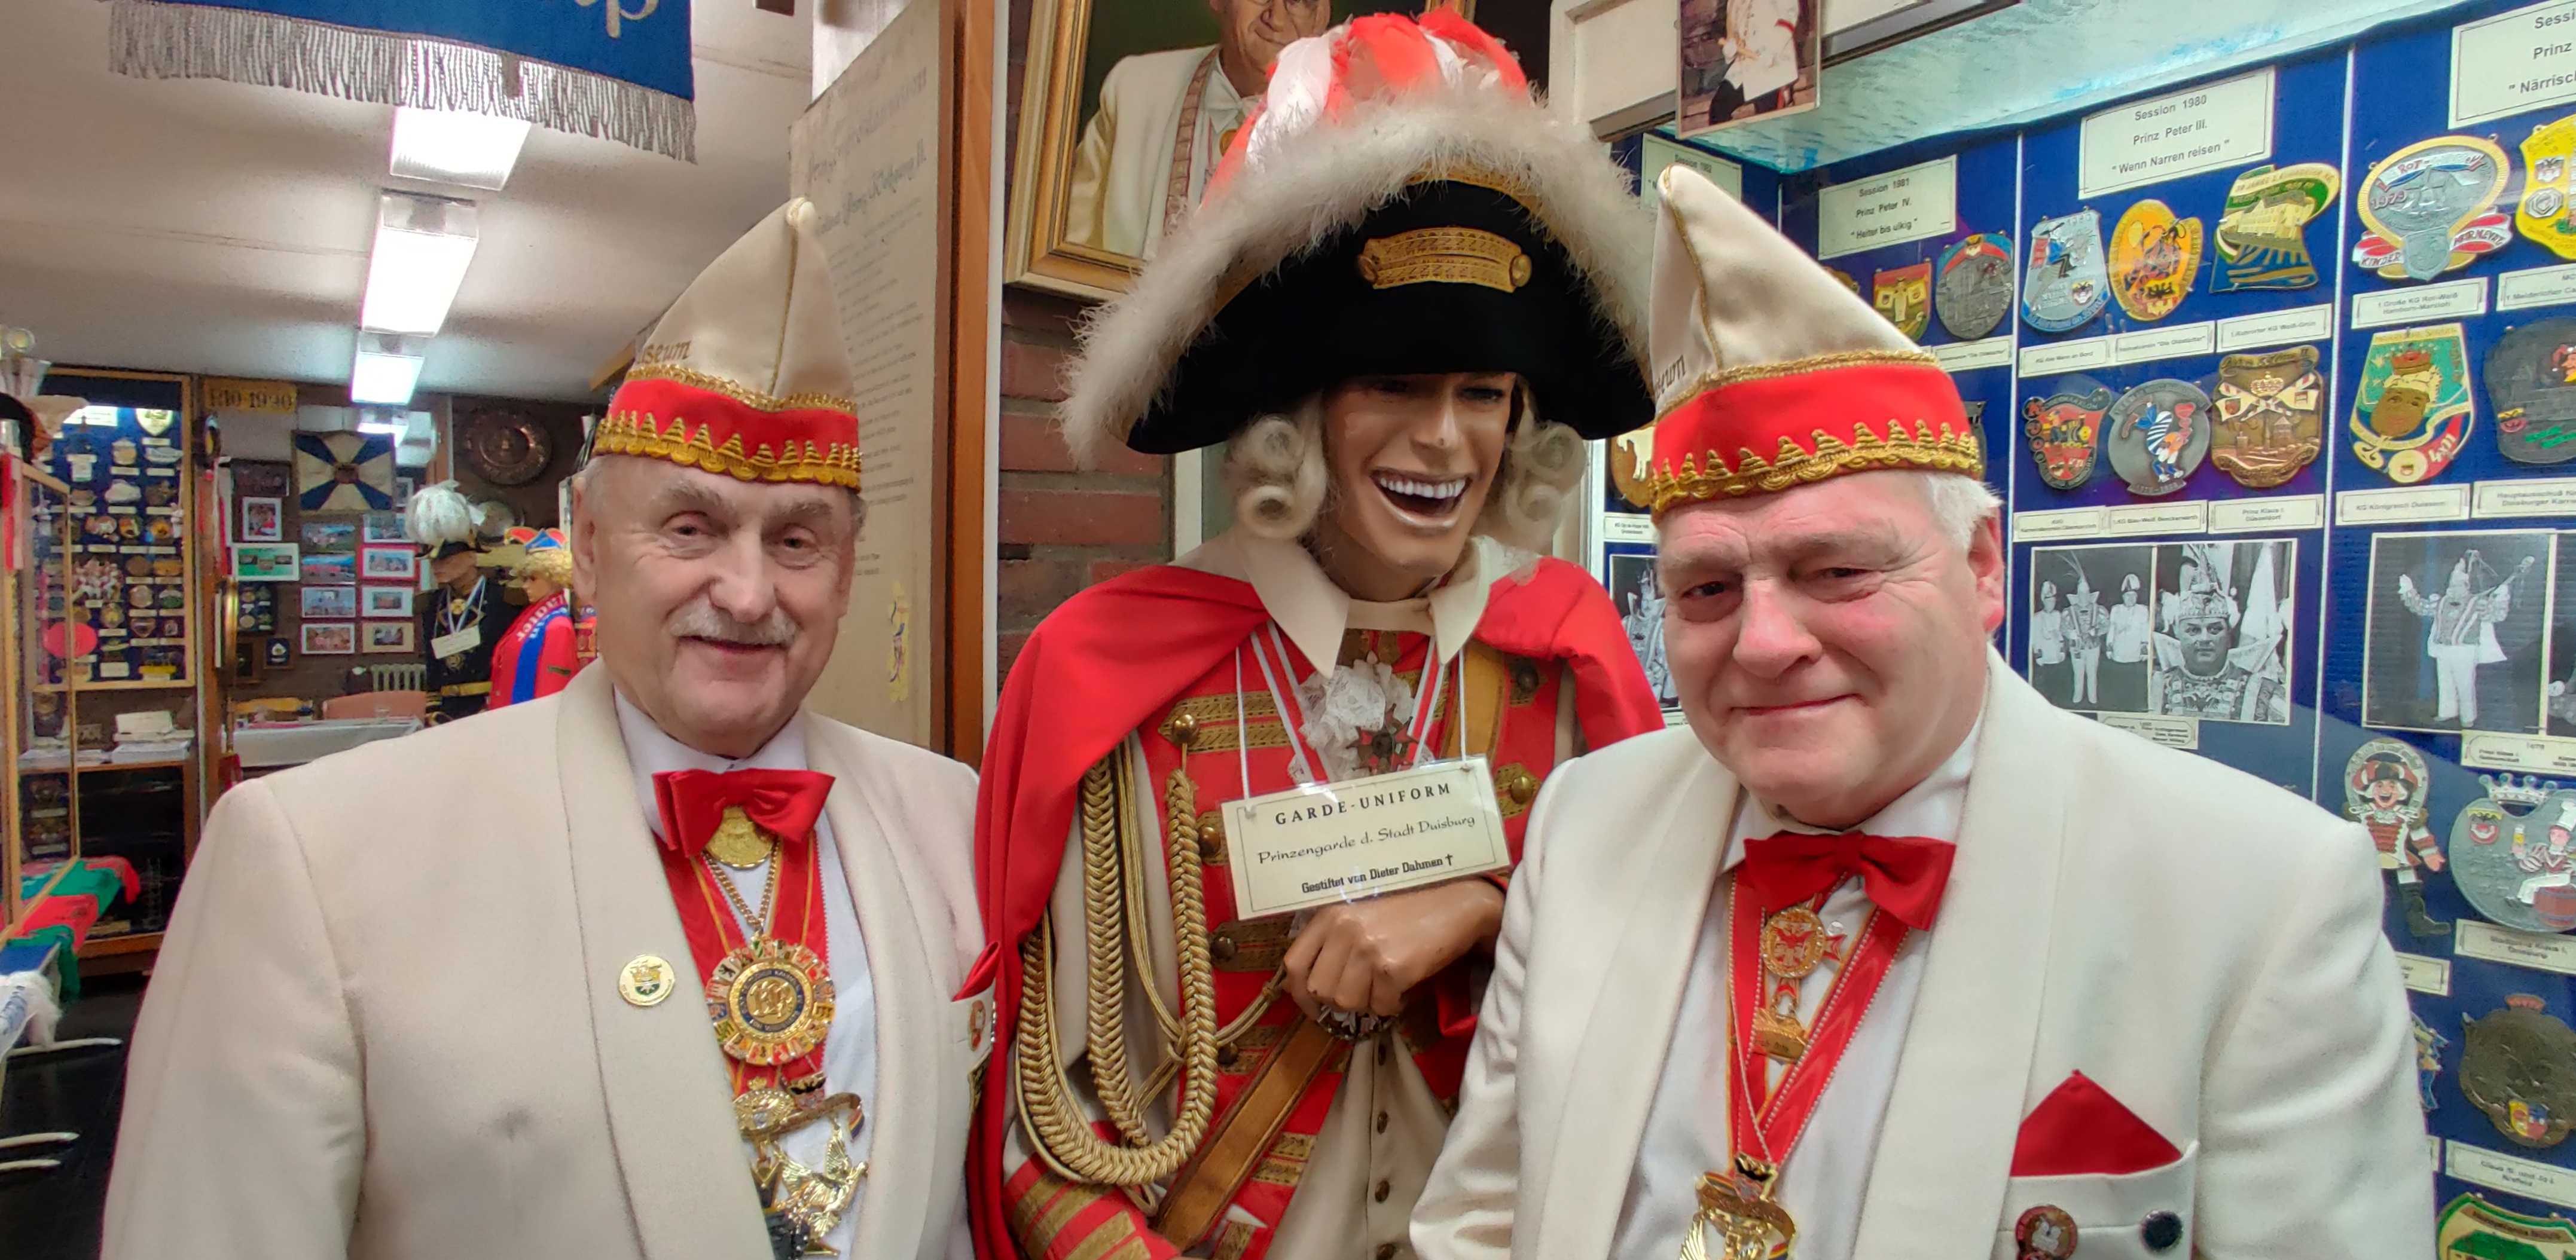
771, 1003
1767, 959
459, 612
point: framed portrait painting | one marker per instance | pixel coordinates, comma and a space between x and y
1126, 109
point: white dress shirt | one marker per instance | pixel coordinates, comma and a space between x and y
1823, 1179
850, 1048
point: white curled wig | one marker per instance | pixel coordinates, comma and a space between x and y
1276, 472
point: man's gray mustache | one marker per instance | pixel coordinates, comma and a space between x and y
701, 620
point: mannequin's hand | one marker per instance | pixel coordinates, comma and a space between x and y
1366, 955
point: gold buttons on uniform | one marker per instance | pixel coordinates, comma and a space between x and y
1226, 1056
1522, 786
645, 981
1183, 729
1221, 947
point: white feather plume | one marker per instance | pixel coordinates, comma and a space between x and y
438, 515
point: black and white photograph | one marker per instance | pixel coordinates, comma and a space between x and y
1640, 601
2222, 628
2457, 631
2559, 706
2090, 633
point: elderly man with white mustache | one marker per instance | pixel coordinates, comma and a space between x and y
661, 965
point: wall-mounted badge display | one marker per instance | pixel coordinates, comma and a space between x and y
122, 492
1972, 290
2385, 787
2153, 259
2471, 1228
2430, 208
2262, 236
2271, 416
2066, 284
2531, 383
2518, 1065
2065, 430
2509, 854
2159, 433
2412, 412
1904, 296
2543, 215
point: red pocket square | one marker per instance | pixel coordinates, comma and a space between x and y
2080, 1128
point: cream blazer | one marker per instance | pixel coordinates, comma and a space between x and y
386, 1021
2205, 946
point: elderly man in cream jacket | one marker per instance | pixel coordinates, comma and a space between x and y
1882, 955
664, 965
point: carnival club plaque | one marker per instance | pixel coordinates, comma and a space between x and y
1320, 843
2531, 382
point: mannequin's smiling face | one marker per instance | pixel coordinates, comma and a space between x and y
1412, 459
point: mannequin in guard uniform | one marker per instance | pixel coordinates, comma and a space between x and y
536, 656
1434, 298
462, 620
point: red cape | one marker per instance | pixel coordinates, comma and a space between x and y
1114, 656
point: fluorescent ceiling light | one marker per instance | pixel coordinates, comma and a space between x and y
474, 150
386, 369
423, 246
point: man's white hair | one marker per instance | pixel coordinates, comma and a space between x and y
1275, 469
1960, 505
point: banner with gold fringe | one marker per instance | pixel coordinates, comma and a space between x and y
615, 69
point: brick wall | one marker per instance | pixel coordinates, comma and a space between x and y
1060, 530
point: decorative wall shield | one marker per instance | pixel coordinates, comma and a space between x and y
2064, 430
2470, 1228
2262, 238
2159, 433
2412, 411
2512, 853
1972, 285
2154, 257
2543, 213
1904, 296
2271, 416
2430, 208
344, 472
2066, 284
2531, 383
2518, 1065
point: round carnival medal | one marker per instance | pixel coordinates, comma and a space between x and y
1904, 296
2411, 412
2066, 284
2518, 1065
2262, 238
2065, 429
771, 1002
2271, 416
2154, 257
646, 981
2531, 382
738, 842
1972, 285
2543, 214
1794, 943
2159, 433
2510, 853
2430, 208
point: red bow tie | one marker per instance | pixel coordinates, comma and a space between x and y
783, 802
1903, 875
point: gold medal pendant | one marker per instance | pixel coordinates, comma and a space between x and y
771, 1002
738, 842
1738, 1219
1794, 943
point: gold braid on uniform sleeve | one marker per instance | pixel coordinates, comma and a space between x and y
1049, 1114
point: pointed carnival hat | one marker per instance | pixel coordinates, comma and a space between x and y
1400, 204
1770, 374
542, 554
745, 374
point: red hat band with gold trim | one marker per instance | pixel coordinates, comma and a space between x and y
1774, 375
746, 374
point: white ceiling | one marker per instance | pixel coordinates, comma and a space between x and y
201, 226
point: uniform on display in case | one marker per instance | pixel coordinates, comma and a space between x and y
2262, 237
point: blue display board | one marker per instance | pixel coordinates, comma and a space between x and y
2307, 503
